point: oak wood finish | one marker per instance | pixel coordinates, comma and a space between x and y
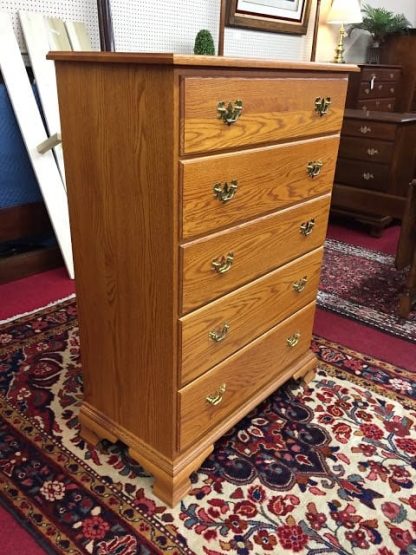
250, 245
273, 110
268, 178
122, 122
243, 374
377, 153
249, 311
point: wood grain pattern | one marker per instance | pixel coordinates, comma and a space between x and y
268, 178
244, 373
124, 239
273, 110
199, 61
258, 246
359, 148
249, 311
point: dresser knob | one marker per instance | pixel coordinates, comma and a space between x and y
223, 264
322, 105
219, 335
367, 176
216, 398
314, 168
307, 227
225, 192
372, 151
300, 285
229, 114
364, 130
293, 340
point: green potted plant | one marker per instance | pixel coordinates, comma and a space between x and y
204, 43
380, 23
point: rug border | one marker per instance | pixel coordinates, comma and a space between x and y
31, 312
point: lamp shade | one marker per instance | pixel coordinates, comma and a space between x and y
345, 11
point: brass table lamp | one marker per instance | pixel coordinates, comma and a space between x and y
343, 12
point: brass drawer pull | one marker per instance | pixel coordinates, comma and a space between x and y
225, 192
219, 335
314, 168
322, 105
364, 130
223, 264
293, 340
229, 114
372, 151
367, 176
300, 285
307, 227
216, 398
372, 81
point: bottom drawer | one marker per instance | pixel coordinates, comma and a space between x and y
206, 401
365, 175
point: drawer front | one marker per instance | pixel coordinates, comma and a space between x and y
364, 175
380, 105
238, 378
248, 184
222, 262
379, 90
370, 129
366, 149
217, 330
380, 74
272, 110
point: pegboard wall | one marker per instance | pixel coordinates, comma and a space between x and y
71, 10
166, 26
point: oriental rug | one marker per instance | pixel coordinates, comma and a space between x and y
364, 285
326, 469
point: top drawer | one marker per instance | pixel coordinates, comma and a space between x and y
272, 109
380, 74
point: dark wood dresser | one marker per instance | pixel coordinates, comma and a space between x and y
401, 49
199, 191
375, 88
377, 160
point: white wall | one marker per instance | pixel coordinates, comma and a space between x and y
168, 26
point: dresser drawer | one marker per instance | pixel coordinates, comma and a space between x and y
380, 74
258, 181
370, 129
237, 379
217, 330
272, 110
359, 148
377, 105
379, 90
364, 175
249, 251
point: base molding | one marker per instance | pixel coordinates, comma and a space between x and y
172, 474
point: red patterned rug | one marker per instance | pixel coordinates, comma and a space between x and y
330, 469
364, 285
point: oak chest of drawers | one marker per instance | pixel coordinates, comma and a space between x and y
199, 192
377, 161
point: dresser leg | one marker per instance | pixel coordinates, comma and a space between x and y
92, 432
169, 486
307, 372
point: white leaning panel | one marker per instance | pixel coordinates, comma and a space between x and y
33, 131
78, 36
36, 31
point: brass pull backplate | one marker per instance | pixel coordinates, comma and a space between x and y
307, 227
372, 151
219, 335
322, 105
216, 398
225, 192
229, 114
300, 285
364, 129
293, 340
223, 264
314, 168
367, 176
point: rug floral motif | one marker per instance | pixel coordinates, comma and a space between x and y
330, 469
364, 285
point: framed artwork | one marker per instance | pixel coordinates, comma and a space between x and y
278, 16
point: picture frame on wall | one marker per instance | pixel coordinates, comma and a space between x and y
277, 16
